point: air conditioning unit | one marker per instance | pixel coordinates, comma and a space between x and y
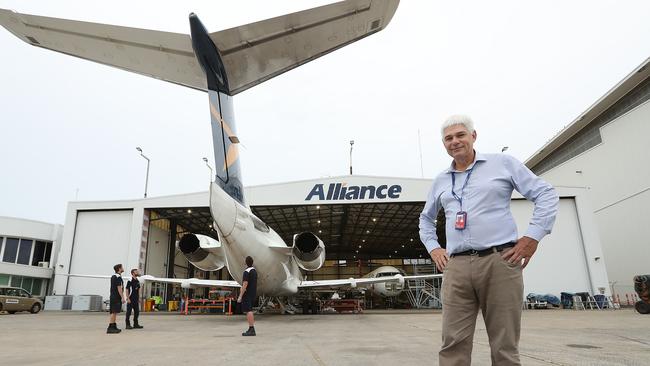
58, 302
44, 264
87, 303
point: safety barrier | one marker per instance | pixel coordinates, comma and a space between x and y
223, 304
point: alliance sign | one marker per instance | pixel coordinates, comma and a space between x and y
341, 191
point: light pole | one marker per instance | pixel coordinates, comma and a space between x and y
351, 144
209, 167
146, 182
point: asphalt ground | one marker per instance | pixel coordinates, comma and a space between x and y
549, 337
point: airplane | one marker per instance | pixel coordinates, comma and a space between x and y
224, 64
386, 289
391, 288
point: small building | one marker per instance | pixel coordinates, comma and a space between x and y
28, 252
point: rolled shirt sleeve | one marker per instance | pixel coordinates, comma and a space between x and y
541, 193
427, 224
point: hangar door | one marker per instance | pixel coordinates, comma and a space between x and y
101, 240
559, 264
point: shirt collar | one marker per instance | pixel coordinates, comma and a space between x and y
477, 157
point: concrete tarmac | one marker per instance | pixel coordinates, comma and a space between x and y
549, 337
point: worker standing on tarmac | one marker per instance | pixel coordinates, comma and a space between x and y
133, 300
247, 295
116, 299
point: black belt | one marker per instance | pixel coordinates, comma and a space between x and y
481, 253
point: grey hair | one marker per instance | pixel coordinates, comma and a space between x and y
457, 119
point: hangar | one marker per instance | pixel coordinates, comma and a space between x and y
360, 231
604, 150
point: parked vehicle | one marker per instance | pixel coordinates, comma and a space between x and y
13, 299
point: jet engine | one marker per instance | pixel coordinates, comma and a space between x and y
202, 251
308, 251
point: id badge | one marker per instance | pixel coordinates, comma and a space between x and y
461, 220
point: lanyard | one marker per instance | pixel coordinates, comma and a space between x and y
462, 189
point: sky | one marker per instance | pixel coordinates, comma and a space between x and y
522, 70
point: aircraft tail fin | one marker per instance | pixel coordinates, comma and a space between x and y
226, 145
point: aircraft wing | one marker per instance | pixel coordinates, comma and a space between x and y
360, 282
183, 282
252, 53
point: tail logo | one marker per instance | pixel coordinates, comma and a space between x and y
233, 151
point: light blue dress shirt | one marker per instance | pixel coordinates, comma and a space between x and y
486, 199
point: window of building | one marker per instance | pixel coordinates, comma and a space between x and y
36, 287
39, 253
1, 244
24, 251
4, 280
48, 251
27, 284
16, 281
11, 250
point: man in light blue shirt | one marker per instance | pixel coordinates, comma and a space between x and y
484, 256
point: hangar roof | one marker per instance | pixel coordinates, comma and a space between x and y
379, 230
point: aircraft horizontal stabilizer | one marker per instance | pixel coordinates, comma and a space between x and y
251, 53
257, 52
161, 55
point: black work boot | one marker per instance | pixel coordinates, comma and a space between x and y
249, 333
128, 324
136, 325
112, 329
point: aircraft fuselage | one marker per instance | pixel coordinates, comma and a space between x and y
241, 236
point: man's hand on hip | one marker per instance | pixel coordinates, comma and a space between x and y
440, 258
524, 249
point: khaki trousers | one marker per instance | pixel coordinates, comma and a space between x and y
496, 287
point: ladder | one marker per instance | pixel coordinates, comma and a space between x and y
424, 293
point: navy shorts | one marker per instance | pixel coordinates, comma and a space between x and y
115, 306
246, 305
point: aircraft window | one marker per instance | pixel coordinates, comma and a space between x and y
259, 224
386, 274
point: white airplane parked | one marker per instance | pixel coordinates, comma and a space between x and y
387, 289
223, 64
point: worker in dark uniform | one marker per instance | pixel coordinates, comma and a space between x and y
247, 295
133, 300
116, 299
